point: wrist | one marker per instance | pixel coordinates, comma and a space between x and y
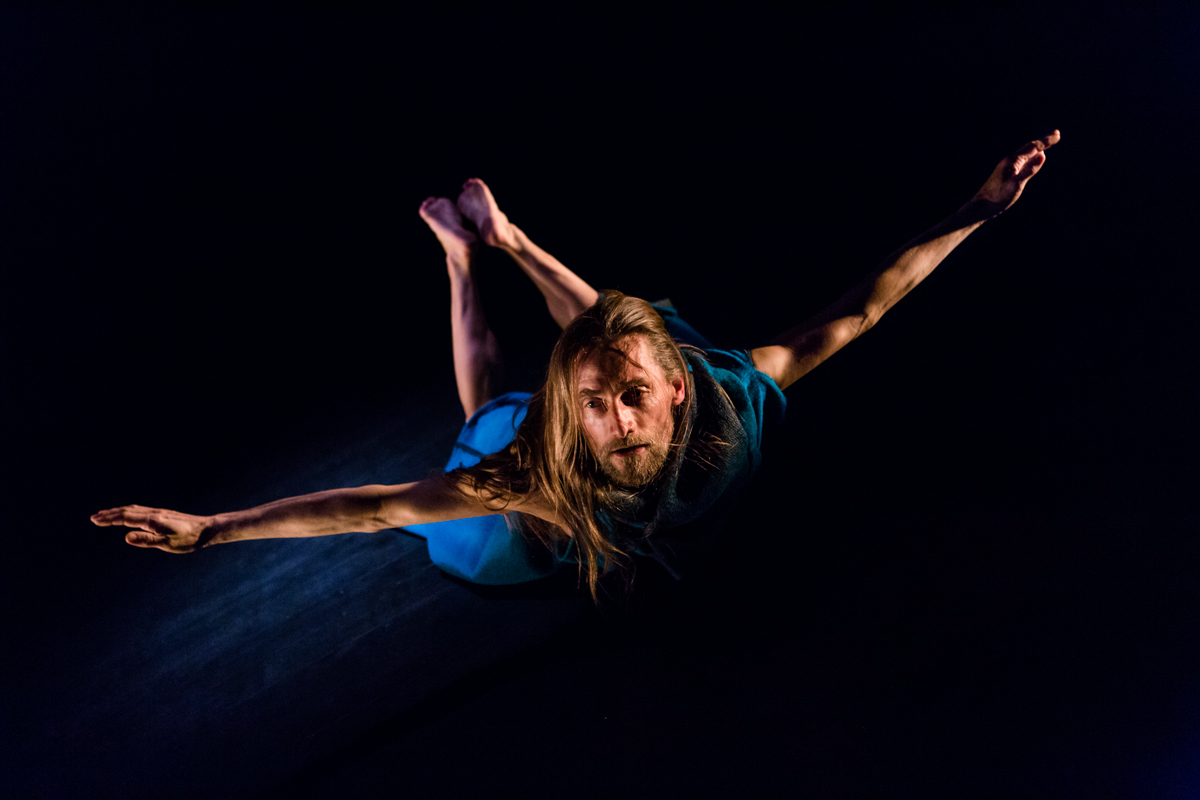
218, 529
977, 210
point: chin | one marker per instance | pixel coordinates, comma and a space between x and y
631, 482
637, 476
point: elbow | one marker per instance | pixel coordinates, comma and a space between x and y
373, 515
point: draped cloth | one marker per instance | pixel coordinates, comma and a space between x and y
676, 520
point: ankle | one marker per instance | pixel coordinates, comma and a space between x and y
515, 241
458, 266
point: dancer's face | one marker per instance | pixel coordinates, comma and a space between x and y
625, 403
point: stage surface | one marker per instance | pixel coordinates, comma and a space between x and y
967, 567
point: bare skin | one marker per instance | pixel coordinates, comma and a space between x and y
360, 509
566, 294
1007, 181
798, 351
478, 364
619, 427
446, 223
477, 204
625, 403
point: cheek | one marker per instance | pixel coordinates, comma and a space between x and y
667, 425
594, 432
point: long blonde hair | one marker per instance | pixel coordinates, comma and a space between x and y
550, 454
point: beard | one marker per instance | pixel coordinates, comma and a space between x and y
638, 469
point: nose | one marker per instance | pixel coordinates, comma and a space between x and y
623, 416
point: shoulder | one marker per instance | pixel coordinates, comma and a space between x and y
756, 399
735, 371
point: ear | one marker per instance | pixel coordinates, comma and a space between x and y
679, 390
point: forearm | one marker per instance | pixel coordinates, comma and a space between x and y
366, 508
796, 352
861, 307
793, 354
901, 271
319, 514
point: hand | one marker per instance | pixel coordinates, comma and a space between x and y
158, 527
1008, 180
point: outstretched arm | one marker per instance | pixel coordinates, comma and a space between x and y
793, 354
365, 509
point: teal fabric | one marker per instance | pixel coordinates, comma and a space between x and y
685, 511
683, 522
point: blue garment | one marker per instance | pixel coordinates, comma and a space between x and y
486, 550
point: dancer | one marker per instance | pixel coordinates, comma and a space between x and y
642, 436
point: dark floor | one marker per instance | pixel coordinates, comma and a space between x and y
859, 651
966, 569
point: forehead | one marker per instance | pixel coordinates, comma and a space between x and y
632, 360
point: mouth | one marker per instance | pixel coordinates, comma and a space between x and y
629, 451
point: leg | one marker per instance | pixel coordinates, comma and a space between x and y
477, 361
566, 293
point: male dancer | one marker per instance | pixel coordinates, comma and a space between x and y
641, 428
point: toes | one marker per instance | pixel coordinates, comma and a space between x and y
437, 205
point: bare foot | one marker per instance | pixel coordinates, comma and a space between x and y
441, 215
477, 204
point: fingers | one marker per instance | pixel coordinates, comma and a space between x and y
1024, 152
1029, 158
1031, 166
1048, 140
142, 539
146, 519
110, 516
1037, 145
157, 527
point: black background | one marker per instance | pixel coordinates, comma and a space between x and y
978, 531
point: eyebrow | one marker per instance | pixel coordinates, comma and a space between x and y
622, 387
